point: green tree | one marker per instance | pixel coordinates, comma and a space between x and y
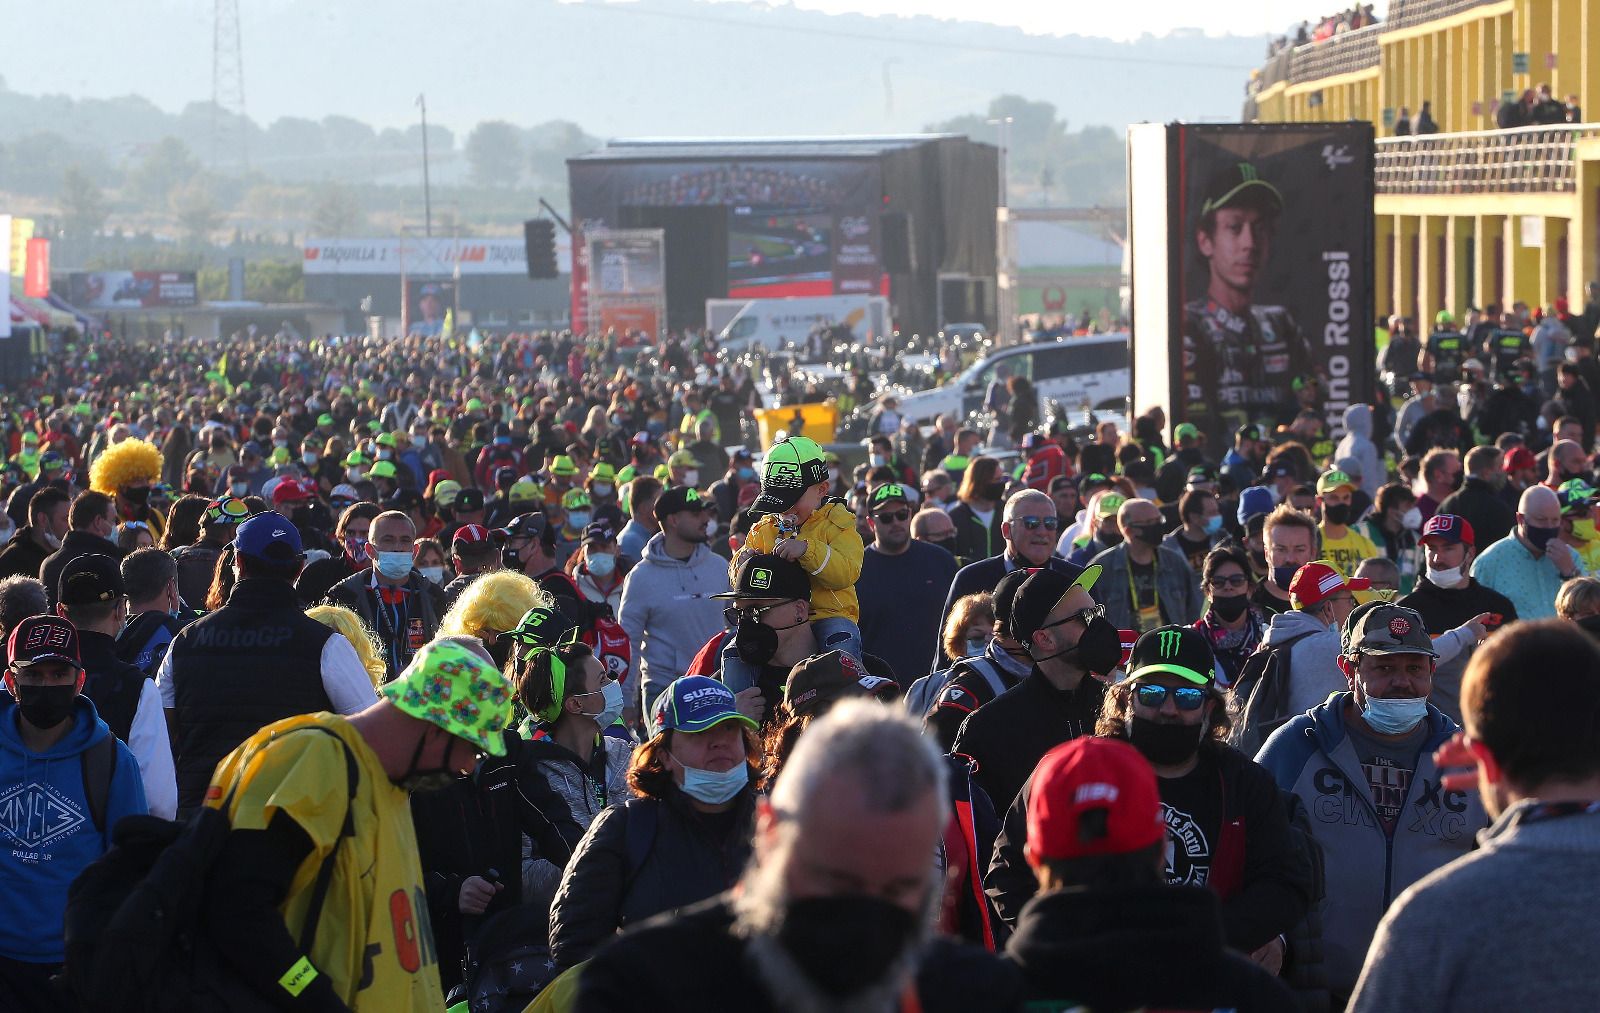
83, 206
165, 166
335, 211
494, 153
194, 205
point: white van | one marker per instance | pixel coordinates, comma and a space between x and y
740, 324
1071, 371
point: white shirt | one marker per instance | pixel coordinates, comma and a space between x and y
147, 738
344, 679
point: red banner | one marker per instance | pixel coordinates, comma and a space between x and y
36, 276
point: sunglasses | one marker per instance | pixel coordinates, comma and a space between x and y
1234, 582
892, 516
1086, 617
1035, 523
1188, 698
734, 614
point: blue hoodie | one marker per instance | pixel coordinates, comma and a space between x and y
47, 836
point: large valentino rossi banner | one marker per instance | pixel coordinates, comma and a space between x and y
1252, 271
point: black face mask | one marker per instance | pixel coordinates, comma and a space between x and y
1098, 650
1111, 538
994, 490
46, 706
947, 544
845, 944
1164, 744
500, 651
138, 495
1258, 559
1149, 534
755, 641
1230, 608
425, 778
1336, 513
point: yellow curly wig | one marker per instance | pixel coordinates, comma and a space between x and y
492, 604
345, 621
125, 464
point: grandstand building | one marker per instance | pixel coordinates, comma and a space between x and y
1473, 214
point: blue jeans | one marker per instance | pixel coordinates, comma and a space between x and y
833, 634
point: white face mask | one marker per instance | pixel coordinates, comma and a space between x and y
1444, 578
711, 528
691, 479
1411, 520
433, 573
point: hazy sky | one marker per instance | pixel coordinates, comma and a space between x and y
1124, 20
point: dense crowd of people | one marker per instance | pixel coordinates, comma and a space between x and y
516, 673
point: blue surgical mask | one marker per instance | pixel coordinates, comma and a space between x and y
1213, 524
611, 693
433, 573
711, 787
1394, 717
394, 565
746, 474
602, 489
602, 564
1282, 575
976, 647
577, 520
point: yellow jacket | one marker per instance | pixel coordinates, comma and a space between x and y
832, 557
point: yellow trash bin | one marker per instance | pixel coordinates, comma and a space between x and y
819, 422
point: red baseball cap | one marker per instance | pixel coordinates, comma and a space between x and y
1518, 458
290, 490
1448, 528
1316, 582
470, 534
1106, 780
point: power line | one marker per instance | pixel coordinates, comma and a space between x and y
836, 33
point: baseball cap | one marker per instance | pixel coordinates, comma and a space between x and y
1005, 596
1575, 496
355, 459
290, 490
453, 687
474, 404
531, 525
344, 493
226, 510
762, 575
525, 489
824, 679
1110, 503
1240, 184
543, 627
677, 499
1315, 582
1333, 479
470, 534
1248, 431
1186, 431
44, 638
404, 500
682, 459
50, 460
791, 467
1092, 796
694, 703
1391, 629
469, 499
386, 440
1518, 458
563, 465
386, 469
1182, 651
1444, 317
325, 419
1201, 473
1089, 483
89, 580
268, 536
574, 499
1043, 591
1451, 529
888, 494
599, 531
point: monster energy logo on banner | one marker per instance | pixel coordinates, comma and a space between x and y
1167, 642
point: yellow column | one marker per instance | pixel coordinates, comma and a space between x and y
1550, 281
1567, 78
1523, 262
1430, 268
1490, 228
1458, 266
1588, 55
1382, 274
1583, 263
1540, 40
1405, 264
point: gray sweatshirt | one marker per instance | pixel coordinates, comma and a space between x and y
668, 613
1507, 927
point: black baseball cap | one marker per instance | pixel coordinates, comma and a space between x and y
1239, 185
679, 498
888, 494
827, 678
468, 499
1043, 591
90, 579
1182, 651
1089, 483
761, 575
1005, 595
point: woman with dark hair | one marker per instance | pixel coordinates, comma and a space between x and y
1232, 625
183, 522
222, 579
686, 835
977, 516
1024, 408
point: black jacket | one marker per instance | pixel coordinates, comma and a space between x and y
1008, 736
256, 660
982, 576
424, 603
1491, 518
1274, 883
694, 962
111, 683
1135, 947
75, 544
973, 539
22, 556
966, 691
671, 858
319, 577
197, 565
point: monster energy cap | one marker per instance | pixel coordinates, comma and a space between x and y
766, 576
1239, 185
792, 466
1173, 650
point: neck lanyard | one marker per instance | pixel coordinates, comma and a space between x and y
1155, 590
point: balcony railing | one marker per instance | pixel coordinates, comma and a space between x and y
1344, 53
1409, 13
1525, 160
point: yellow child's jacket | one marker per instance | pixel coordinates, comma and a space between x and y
832, 558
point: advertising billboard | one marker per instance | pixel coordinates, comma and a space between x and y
441, 257
1252, 271
627, 280
108, 290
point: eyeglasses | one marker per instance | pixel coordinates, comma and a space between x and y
1035, 523
1232, 583
892, 516
734, 614
1086, 617
1188, 698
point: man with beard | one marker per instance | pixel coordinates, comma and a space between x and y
1146, 583
1362, 764
902, 586
836, 910
1096, 844
1538, 774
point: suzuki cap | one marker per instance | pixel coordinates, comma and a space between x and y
695, 703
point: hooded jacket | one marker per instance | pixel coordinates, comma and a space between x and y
50, 834
1357, 443
1313, 660
1314, 758
832, 557
668, 614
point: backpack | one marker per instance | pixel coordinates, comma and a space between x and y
135, 940
1259, 697
99, 767
925, 692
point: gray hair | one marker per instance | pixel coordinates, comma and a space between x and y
1020, 499
879, 748
20, 597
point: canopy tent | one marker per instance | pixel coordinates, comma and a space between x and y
26, 310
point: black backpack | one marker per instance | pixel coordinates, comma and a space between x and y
1259, 697
135, 939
